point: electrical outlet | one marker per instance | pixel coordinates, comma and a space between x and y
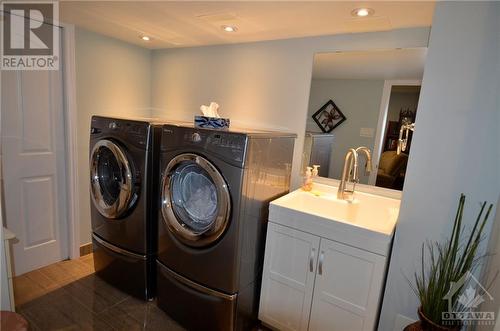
367, 132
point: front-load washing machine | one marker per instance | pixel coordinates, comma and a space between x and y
124, 191
215, 191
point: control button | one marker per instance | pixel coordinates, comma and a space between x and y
196, 137
95, 130
113, 125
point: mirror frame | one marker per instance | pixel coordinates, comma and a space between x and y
382, 117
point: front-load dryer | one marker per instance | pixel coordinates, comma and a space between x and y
123, 191
215, 191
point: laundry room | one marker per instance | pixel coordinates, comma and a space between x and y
250, 165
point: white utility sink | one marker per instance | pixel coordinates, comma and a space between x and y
368, 222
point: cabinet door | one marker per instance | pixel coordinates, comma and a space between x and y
347, 289
288, 278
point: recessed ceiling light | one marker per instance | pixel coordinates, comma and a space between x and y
146, 38
229, 28
362, 12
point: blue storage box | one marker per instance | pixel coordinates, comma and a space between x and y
211, 122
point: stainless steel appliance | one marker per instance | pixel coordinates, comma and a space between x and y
215, 191
124, 191
318, 150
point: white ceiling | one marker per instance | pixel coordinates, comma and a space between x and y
188, 23
380, 64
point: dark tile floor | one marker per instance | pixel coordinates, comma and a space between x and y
68, 296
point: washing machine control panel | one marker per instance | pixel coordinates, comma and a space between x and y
196, 137
131, 132
229, 146
236, 142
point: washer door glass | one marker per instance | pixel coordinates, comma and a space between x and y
111, 179
195, 200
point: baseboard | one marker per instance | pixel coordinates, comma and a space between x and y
86, 249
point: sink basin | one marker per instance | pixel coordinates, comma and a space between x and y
367, 222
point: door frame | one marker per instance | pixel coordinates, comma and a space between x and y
70, 127
382, 117
71, 142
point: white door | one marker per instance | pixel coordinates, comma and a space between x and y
33, 148
347, 290
288, 278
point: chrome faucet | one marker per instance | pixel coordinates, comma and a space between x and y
350, 171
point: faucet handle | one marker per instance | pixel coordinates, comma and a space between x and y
368, 167
355, 175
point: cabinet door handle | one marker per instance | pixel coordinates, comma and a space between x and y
321, 259
311, 260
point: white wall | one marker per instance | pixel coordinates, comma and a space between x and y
455, 147
359, 100
263, 84
113, 78
492, 267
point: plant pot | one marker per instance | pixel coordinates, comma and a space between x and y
428, 325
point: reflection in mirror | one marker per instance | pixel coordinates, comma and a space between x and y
364, 98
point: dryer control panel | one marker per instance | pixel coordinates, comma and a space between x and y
229, 146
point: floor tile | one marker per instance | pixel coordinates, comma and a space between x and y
56, 273
57, 310
26, 290
75, 268
120, 319
38, 277
87, 257
158, 320
31, 323
88, 260
69, 296
135, 312
95, 294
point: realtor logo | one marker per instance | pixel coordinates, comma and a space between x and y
30, 36
468, 302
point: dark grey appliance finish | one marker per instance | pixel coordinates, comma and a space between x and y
124, 190
215, 193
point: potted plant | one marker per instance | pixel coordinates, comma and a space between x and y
445, 273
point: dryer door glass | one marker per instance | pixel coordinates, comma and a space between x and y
194, 197
195, 200
111, 179
109, 174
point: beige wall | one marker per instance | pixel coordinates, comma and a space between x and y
113, 79
259, 85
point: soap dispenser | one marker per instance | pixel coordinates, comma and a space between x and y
315, 170
308, 180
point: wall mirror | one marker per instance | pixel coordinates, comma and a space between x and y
364, 98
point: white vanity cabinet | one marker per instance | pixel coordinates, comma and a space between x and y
347, 288
288, 278
313, 283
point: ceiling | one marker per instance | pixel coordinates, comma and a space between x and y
188, 23
381, 64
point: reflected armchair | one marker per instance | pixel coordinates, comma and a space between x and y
391, 170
